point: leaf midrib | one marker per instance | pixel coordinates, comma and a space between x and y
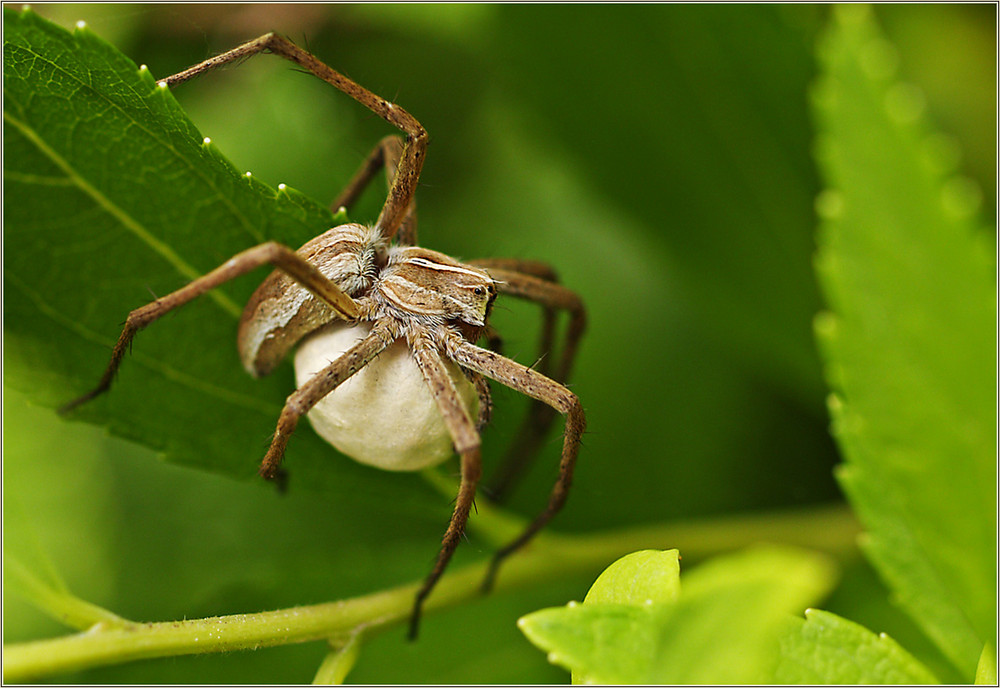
127, 221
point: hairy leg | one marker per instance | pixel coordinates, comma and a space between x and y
535, 281
281, 257
537, 386
301, 401
386, 154
411, 159
466, 440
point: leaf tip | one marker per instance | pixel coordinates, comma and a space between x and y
829, 204
851, 14
904, 103
825, 328
835, 404
961, 197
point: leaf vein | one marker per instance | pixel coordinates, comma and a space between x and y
126, 220
247, 225
146, 361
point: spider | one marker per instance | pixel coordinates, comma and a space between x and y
395, 305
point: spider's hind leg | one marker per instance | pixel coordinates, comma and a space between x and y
537, 282
467, 444
534, 384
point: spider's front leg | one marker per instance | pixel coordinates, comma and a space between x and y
281, 257
405, 164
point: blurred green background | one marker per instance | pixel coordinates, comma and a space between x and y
658, 156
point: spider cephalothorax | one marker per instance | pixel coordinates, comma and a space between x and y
420, 285
388, 366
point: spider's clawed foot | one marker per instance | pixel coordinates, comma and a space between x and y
67, 408
278, 477
414, 629
491, 576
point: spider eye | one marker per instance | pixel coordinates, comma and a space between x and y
479, 291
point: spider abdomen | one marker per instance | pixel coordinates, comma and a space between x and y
384, 415
281, 312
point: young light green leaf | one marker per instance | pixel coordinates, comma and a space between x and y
909, 345
639, 579
986, 672
723, 628
339, 661
827, 649
113, 195
645, 577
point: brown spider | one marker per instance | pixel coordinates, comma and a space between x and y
385, 294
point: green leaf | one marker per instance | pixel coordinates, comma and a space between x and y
120, 197
986, 671
909, 345
646, 577
339, 661
723, 628
639, 579
826, 649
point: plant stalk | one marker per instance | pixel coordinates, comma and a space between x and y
549, 556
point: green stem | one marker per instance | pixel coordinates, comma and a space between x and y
548, 557
57, 602
339, 662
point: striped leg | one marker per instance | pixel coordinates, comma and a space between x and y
411, 158
537, 386
466, 439
281, 257
385, 155
535, 281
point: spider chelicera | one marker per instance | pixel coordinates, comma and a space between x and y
395, 304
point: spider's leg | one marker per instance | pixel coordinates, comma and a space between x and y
494, 342
386, 155
533, 268
535, 281
485, 398
318, 386
281, 257
411, 158
536, 385
466, 439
